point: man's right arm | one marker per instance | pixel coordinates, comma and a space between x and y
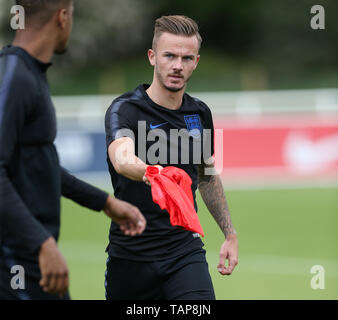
121, 122
122, 156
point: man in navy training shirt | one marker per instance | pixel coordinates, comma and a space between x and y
31, 179
142, 128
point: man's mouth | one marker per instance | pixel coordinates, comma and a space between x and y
175, 76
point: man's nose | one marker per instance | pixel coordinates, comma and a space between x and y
178, 64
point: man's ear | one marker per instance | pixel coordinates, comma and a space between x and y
62, 18
151, 57
197, 60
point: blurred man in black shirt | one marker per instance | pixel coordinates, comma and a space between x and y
31, 179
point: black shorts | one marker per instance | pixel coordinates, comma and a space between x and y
32, 276
182, 278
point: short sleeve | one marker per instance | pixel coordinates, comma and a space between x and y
118, 121
208, 134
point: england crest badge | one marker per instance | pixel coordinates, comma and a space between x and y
194, 127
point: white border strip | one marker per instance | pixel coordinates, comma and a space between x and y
102, 180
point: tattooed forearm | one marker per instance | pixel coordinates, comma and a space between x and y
212, 192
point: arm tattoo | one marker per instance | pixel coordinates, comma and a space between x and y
212, 192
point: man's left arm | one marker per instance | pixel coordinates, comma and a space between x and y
212, 192
129, 218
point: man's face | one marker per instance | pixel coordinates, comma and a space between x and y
66, 21
174, 57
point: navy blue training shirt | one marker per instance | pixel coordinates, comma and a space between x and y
134, 112
31, 179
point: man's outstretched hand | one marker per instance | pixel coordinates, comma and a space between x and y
129, 217
145, 179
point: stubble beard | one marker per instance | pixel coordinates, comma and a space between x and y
171, 89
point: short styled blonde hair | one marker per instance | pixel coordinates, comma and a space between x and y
176, 24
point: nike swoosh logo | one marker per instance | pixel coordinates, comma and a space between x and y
308, 155
157, 125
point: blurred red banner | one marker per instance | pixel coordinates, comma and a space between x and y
293, 145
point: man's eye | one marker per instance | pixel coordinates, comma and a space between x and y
187, 58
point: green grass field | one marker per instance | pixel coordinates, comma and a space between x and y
282, 234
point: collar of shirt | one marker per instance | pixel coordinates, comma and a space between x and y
27, 57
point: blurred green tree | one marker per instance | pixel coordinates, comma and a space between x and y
263, 44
